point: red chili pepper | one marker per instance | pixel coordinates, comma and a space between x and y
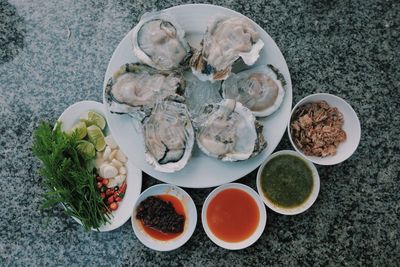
122, 188
99, 185
99, 178
110, 200
118, 199
105, 181
109, 191
114, 206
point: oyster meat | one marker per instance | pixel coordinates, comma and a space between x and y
259, 89
226, 40
229, 131
168, 136
135, 88
159, 41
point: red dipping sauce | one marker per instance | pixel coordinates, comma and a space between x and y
233, 215
178, 208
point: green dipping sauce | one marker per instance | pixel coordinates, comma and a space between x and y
287, 181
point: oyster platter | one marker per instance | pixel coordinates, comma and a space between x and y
197, 95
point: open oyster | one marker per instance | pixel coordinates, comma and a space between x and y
259, 89
229, 131
159, 41
168, 136
135, 88
226, 40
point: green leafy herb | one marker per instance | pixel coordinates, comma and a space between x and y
68, 176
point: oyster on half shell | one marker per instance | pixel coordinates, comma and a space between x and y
135, 88
159, 41
226, 40
260, 89
229, 131
168, 136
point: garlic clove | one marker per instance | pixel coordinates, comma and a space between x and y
112, 182
116, 163
111, 142
99, 161
121, 156
106, 153
113, 154
122, 170
120, 179
101, 170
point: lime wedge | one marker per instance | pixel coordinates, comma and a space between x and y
86, 149
80, 129
96, 137
93, 118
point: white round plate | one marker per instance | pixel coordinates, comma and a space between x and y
261, 224
201, 171
190, 221
69, 118
351, 125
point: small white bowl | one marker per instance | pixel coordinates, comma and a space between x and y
311, 199
261, 224
68, 119
351, 126
190, 215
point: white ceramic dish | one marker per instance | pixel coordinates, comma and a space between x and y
351, 126
310, 200
261, 224
134, 178
190, 222
201, 171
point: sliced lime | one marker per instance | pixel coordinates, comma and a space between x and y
86, 149
93, 118
80, 129
96, 137
97, 119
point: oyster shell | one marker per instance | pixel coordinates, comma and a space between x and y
159, 41
168, 136
229, 131
226, 40
135, 88
259, 89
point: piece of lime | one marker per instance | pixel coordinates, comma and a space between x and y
80, 129
96, 137
94, 118
86, 149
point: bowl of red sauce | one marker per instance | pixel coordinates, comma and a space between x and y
164, 217
233, 216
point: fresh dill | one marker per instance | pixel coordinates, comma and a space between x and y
68, 177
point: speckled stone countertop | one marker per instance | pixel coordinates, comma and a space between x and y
55, 53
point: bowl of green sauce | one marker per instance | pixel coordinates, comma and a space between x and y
288, 183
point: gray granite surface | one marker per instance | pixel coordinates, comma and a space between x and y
55, 53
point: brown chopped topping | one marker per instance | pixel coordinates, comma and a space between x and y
160, 215
316, 129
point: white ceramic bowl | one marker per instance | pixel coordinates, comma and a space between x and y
311, 199
190, 221
261, 224
133, 179
351, 126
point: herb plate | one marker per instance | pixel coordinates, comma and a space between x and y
134, 177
